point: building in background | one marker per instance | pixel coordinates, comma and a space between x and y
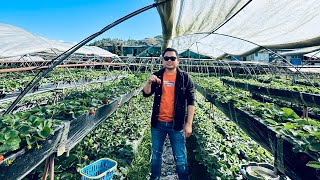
260, 56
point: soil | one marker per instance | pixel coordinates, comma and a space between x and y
168, 171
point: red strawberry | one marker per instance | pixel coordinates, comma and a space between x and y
92, 112
1, 158
159, 81
106, 100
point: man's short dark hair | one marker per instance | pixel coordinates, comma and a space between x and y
170, 49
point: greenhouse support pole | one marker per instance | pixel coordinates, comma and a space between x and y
67, 53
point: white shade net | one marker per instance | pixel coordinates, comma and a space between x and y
15, 41
260, 23
301, 51
315, 54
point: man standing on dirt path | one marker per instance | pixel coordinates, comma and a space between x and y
174, 93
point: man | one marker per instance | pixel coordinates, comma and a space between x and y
174, 93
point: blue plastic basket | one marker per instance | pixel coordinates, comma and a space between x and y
102, 169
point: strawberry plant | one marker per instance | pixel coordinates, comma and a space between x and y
223, 147
114, 139
277, 85
22, 129
301, 133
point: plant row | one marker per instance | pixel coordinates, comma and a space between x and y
115, 138
288, 80
313, 112
48, 96
303, 133
10, 83
26, 129
277, 85
302, 98
222, 145
293, 140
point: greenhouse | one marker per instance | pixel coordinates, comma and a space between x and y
68, 109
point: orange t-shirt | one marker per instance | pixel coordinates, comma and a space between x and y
167, 98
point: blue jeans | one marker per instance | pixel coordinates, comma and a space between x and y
178, 145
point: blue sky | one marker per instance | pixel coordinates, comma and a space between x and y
74, 20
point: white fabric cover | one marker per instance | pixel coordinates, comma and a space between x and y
15, 41
301, 51
305, 69
23, 58
267, 23
315, 54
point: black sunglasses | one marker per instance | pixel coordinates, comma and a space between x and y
166, 58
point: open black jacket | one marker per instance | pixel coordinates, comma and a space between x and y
184, 96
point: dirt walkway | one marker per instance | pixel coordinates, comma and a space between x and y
168, 165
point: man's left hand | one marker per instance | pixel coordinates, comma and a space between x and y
187, 130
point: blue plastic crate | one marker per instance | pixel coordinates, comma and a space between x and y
102, 169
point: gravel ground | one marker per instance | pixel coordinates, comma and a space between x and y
168, 171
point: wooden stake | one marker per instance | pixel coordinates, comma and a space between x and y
45, 171
52, 167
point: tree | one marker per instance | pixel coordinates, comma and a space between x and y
105, 42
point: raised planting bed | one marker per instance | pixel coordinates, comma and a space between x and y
32, 128
306, 83
115, 138
84, 124
54, 86
221, 145
307, 99
283, 103
291, 163
20, 163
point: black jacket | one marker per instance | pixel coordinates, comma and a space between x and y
184, 96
